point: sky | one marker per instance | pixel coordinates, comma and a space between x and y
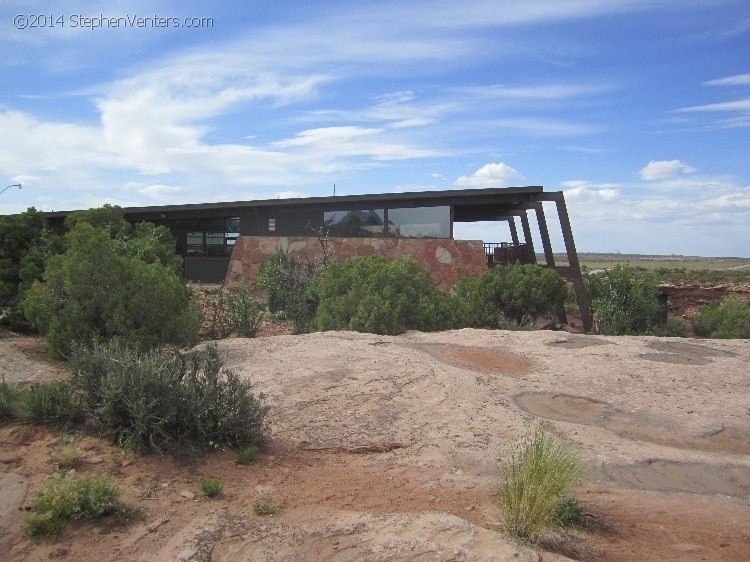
638, 110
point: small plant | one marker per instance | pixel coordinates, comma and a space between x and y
248, 455
244, 312
69, 457
537, 480
8, 396
51, 402
729, 319
63, 497
211, 487
265, 508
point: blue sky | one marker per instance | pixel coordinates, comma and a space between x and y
638, 110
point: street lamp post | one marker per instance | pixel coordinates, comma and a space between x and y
7, 187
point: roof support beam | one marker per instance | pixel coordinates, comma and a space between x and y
570, 249
513, 231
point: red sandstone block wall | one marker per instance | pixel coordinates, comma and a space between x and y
447, 260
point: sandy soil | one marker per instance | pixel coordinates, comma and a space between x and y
385, 448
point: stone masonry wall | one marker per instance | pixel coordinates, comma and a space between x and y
447, 260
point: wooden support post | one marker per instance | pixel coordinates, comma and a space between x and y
575, 267
513, 231
549, 256
527, 233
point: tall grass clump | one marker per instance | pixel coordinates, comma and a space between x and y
53, 403
63, 497
8, 395
164, 401
729, 319
537, 479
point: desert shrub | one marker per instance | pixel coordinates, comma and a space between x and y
50, 402
233, 310
728, 319
624, 301
164, 401
64, 496
124, 288
537, 480
516, 293
291, 288
244, 312
248, 455
375, 295
675, 327
211, 487
8, 396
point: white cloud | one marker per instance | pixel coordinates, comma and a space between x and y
736, 105
160, 191
736, 80
664, 169
584, 190
490, 175
542, 127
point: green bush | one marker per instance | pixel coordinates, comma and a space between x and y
291, 288
164, 401
372, 294
26, 244
125, 288
519, 293
537, 481
51, 402
729, 319
624, 301
63, 497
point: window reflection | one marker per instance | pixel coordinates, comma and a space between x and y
420, 222
357, 223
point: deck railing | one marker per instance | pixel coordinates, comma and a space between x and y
507, 252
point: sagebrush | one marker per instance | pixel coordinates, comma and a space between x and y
165, 401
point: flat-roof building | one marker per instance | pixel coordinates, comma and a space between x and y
229, 240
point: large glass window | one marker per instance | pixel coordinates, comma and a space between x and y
359, 223
207, 237
420, 222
